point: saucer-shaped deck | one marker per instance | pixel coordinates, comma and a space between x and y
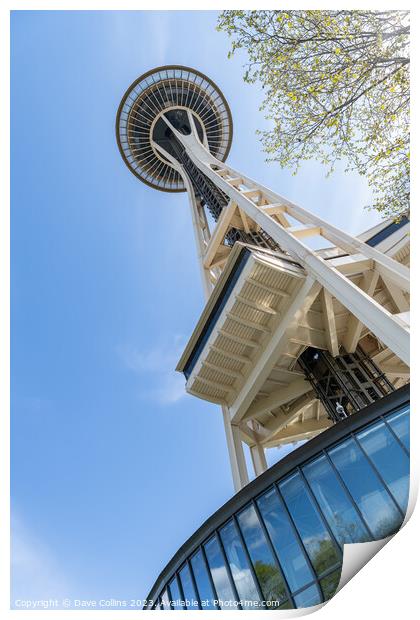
162, 89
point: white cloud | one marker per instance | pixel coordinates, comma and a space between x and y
160, 25
158, 364
36, 573
172, 390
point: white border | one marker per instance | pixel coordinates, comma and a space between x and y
387, 585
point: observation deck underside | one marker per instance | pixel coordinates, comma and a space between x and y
164, 89
245, 350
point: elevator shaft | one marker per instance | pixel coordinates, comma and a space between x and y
346, 383
208, 194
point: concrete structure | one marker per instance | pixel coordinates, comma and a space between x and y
291, 340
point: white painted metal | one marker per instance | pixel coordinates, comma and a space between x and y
275, 399
236, 452
254, 206
198, 236
329, 318
370, 280
388, 328
258, 459
308, 289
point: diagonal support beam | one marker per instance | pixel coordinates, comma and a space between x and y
354, 330
396, 295
396, 370
236, 452
299, 431
388, 328
279, 397
219, 233
275, 425
329, 322
301, 302
259, 461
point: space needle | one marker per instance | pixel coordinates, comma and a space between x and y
297, 345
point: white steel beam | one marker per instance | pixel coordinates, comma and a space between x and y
396, 272
396, 370
236, 452
198, 231
279, 397
329, 322
264, 365
388, 328
397, 296
299, 431
259, 461
354, 329
351, 265
276, 424
259, 207
219, 233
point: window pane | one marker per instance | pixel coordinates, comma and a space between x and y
294, 564
338, 510
268, 574
389, 459
188, 588
330, 583
239, 566
400, 424
202, 580
175, 595
373, 501
318, 542
308, 597
287, 605
219, 574
165, 600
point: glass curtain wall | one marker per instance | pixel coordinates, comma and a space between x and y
284, 548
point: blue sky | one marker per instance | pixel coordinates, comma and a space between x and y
113, 467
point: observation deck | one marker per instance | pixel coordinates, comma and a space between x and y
171, 88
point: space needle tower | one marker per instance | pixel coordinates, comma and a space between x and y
297, 345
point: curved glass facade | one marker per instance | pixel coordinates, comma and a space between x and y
282, 546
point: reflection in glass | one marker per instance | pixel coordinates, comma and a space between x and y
219, 573
372, 499
239, 566
272, 548
400, 424
390, 460
338, 510
329, 584
175, 594
188, 588
294, 564
318, 542
165, 600
268, 574
308, 597
202, 580
287, 605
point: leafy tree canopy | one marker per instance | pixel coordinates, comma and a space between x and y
336, 87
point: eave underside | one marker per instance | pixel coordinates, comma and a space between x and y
283, 407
